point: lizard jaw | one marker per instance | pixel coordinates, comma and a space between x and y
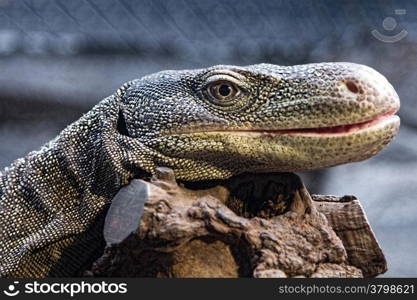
295, 150
378, 121
383, 120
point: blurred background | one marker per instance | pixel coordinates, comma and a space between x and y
59, 58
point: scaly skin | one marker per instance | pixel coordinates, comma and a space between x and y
270, 118
201, 139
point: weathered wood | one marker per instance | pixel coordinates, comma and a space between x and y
248, 226
348, 220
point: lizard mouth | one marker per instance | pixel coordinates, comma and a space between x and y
378, 121
335, 130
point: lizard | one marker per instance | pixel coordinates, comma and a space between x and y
209, 123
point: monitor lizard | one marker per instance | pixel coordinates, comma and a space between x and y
209, 123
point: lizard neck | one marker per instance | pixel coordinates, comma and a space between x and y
86, 164
102, 159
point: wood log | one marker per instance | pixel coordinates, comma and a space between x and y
348, 220
264, 225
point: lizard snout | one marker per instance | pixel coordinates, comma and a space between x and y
370, 88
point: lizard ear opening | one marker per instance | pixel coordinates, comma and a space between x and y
121, 124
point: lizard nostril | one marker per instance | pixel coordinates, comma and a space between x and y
352, 87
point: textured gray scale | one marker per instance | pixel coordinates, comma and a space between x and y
125, 212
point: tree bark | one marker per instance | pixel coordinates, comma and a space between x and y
263, 225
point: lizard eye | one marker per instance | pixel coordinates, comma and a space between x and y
223, 91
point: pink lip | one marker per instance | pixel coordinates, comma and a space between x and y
332, 129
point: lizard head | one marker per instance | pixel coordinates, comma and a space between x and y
224, 120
